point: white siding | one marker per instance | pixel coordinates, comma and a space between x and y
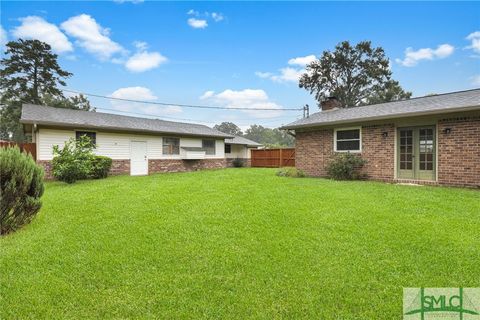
47, 138
238, 151
117, 145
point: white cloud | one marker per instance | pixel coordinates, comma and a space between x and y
217, 16
197, 23
247, 98
302, 61
287, 74
143, 61
193, 12
475, 80
141, 94
263, 75
3, 37
91, 36
413, 57
474, 37
34, 27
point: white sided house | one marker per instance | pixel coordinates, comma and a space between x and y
239, 148
138, 146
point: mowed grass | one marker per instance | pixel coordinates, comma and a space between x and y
236, 244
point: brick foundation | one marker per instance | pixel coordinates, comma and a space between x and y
246, 162
120, 167
174, 165
458, 153
47, 168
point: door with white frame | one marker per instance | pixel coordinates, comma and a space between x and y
138, 158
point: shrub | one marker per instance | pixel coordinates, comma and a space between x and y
21, 186
290, 172
100, 167
238, 163
345, 166
76, 161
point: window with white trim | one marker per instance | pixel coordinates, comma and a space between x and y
171, 146
348, 140
209, 146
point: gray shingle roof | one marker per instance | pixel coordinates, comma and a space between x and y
435, 104
98, 120
242, 140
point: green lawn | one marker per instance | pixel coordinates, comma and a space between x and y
236, 243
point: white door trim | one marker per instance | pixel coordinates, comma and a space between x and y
138, 158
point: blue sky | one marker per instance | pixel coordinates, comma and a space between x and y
242, 54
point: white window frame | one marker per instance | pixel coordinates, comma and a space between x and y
359, 128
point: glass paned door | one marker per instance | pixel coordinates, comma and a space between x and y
406, 165
416, 153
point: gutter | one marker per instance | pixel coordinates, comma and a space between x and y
395, 116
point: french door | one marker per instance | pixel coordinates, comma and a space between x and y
416, 153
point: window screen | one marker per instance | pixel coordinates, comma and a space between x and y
209, 146
347, 140
171, 146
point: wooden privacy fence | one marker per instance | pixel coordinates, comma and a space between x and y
273, 158
25, 147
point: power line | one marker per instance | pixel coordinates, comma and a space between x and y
179, 105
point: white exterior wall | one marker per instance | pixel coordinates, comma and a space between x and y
117, 145
238, 151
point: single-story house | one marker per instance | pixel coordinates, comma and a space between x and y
240, 148
138, 146
432, 140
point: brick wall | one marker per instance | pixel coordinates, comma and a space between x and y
459, 152
314, 150
120, 167
246, 162
379, 151
47, 168
172, 165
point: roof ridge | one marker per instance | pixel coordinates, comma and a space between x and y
120, 115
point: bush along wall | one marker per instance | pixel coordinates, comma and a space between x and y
76, 161
345, 166
21, 184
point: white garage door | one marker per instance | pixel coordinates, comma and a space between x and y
138, 158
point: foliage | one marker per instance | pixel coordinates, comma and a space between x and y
236, 244
78, 102
238, 163
100, 167
30, 74
355, 75
74, 161
228, 128
345, 166
268, 136
290, 172
30, 71
21, 186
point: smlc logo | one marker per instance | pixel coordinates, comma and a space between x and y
441, 303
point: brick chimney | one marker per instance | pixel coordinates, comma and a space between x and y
331, 103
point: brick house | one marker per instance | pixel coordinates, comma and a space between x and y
430, 140
138, 146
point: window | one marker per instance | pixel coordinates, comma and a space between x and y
347, 140
171, 146
228, 148
90, 134
209, 146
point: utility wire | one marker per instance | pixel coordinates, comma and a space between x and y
176, 104
183, 119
